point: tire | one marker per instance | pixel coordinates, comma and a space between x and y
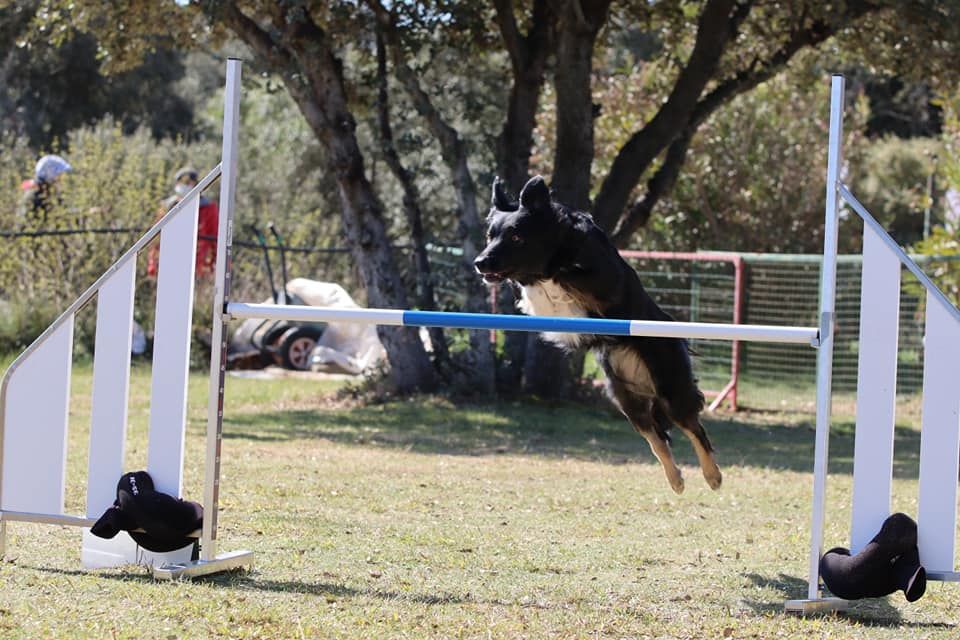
296, 345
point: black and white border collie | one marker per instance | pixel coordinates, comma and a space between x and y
565, 265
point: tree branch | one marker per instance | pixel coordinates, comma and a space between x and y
512, 40
744, 80
659, 185
452, 147
261, 41
762, 70
528, 57
283, 60
718, 24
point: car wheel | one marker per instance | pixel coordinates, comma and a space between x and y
296, 346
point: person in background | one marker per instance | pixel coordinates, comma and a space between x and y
207, 223
39, 193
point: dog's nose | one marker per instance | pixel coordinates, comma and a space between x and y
482, 263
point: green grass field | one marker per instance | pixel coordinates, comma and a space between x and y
427, 518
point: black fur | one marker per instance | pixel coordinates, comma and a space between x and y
539, 241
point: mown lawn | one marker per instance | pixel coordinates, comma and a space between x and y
428, 518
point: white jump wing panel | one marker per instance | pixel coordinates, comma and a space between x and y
171, 350
939, 439
876, 389
36, 412
111, 387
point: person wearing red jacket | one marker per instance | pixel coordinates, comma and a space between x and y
207, 225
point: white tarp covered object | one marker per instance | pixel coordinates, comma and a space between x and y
343, 347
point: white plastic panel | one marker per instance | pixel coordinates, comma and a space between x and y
102, 552
939, 438
876, 389
121, 550
171, 350
111, 386
35, 427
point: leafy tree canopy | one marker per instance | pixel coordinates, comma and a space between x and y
52, 83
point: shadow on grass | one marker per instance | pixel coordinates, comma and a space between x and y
875, 612
332, 591
556, 429
244, 580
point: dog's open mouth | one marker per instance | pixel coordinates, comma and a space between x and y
493, 277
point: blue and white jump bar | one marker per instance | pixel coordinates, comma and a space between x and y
599, 326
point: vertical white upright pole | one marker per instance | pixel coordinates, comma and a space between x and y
218, 350
828, 295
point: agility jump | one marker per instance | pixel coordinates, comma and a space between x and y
34, 393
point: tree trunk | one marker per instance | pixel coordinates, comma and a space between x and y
299, 51
528, 58
547, 370
478, 368
426, 298
579, 25
361, 213
510, 364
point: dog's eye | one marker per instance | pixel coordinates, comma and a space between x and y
516, 239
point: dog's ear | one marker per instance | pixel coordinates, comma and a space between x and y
499, 199
535, 195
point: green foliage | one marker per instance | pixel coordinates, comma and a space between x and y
119, 181
21, 321
944, 240
893, 183
946, 272
52, 81
754, 176
755, 173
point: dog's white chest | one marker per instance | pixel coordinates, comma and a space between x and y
547, 298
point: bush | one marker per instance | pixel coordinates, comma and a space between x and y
119, 182
754, 178
945, 273
21, 322
892, 183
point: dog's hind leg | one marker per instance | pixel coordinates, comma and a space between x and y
701, 445
639, 411
693, 429
661, 449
